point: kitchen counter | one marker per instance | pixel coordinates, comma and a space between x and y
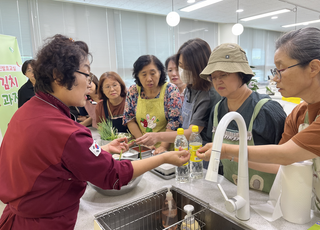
92, 202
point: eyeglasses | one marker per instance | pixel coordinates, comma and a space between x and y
89, 78
277, 72
114, 86
215, 78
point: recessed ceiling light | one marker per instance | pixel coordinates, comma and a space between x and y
191, 1
302, 23
199, 5
265, 15
239, 10
274, 17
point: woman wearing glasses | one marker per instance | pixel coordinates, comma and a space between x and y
112, 91
152, 104
44, 169
229, 71
297, 74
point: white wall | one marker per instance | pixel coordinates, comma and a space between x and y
226, 35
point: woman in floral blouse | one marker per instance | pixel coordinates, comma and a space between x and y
152, 104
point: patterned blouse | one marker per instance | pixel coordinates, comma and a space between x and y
172, 105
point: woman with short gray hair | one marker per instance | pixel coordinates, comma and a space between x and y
297, 74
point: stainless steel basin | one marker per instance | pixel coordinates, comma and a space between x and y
145, 213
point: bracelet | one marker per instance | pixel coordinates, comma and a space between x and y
232, 159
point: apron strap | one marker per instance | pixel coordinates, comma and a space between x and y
256, 111
215, 117
163, 90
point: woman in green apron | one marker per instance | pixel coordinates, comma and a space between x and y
229, 71
199, 95
152, 104
297, 74
112, 91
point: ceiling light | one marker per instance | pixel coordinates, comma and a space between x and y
191, 1
173, 18
302, 23
274, 17
237, 29
239, 10
199, 5
265, 15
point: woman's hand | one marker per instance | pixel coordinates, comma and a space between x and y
147, 139
160, 149
81, 118
204, 152
117, 145
177, 158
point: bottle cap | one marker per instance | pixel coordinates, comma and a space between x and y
180, 131
188, 209
195, 129
169, 194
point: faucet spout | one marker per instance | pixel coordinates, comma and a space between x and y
243, 211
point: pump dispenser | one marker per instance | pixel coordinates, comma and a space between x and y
189, 222
169, 212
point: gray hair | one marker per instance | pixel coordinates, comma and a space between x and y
302, 45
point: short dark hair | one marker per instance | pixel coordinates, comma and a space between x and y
114, 76
171, 58
195, 53
145, 60
58, 60
25, 65
95, 81
245, 78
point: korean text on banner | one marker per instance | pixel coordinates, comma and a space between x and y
11, 79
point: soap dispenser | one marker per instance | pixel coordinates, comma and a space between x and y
189, 223
169, 212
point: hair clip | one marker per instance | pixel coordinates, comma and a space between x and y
71, 39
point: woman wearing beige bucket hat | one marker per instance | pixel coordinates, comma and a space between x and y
297, 74
229, 71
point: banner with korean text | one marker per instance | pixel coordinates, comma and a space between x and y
11, 79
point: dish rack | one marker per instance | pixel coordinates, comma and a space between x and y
145, 213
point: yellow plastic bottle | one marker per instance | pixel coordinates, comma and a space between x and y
196, 164
189, 223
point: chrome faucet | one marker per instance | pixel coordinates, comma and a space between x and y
239, 203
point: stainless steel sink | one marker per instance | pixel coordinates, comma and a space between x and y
145, 213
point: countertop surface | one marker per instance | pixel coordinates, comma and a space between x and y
93, 203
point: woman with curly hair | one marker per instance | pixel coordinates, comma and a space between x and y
46, 158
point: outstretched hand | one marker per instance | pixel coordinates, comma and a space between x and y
204, 152
148, 139
177, 158
117, 145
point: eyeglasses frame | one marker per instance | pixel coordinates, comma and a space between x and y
275, 70
85, 74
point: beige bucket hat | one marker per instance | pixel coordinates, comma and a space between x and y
229, 58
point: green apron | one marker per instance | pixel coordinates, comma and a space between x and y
316, 170
257, 180
150, 113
